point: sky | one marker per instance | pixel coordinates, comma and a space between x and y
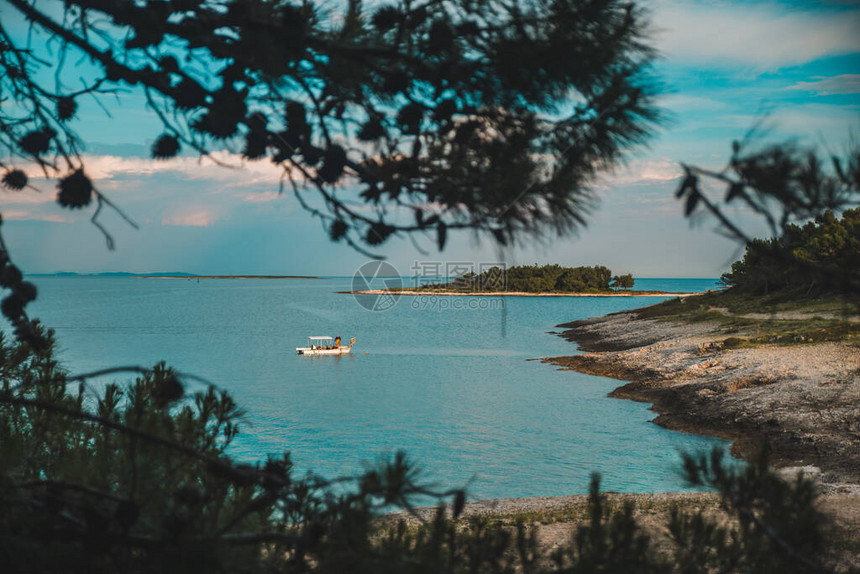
724, 66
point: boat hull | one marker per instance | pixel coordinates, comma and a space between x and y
309, 351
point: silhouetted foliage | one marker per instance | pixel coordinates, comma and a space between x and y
611, 542
822, 256
493, 115
798, 195
778, 527
783, 184
13, 306
138, 478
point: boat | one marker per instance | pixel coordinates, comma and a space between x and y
325, 346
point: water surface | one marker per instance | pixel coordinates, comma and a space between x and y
452, 387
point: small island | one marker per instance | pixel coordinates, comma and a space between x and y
551, 280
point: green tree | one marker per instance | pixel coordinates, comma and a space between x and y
622, 282
571, 280
822, 256
787, 186
778, 527
536, 279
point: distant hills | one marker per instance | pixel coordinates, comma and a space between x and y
112, 274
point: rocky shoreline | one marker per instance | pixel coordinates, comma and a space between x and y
802, 400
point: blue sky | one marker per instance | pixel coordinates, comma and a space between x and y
724, 65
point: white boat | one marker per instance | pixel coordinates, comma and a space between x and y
325, 346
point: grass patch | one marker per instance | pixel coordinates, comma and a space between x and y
578, 511
844, 539
776, 319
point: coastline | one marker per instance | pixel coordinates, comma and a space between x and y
433, 293
803, 400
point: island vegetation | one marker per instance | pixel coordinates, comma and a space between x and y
551, 278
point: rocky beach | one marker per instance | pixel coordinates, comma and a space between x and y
803, 399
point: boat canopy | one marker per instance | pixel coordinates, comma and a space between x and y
320, 338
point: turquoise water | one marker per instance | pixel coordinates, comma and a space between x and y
451, 387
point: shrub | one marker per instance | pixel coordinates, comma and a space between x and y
822, 256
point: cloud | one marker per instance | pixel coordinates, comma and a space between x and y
805, 121
22, 215
28, 197
225, 167
684, 102
262, 196
194, 217
844, 84
761, 37
222, 166
662, 170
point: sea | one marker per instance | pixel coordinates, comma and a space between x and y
451, 381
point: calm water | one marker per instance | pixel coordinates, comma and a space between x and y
452, 387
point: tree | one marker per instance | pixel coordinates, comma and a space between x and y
535, 279
494, 116
571, 280
787, 186
783, 183
622, 282
136, 479
822, 256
